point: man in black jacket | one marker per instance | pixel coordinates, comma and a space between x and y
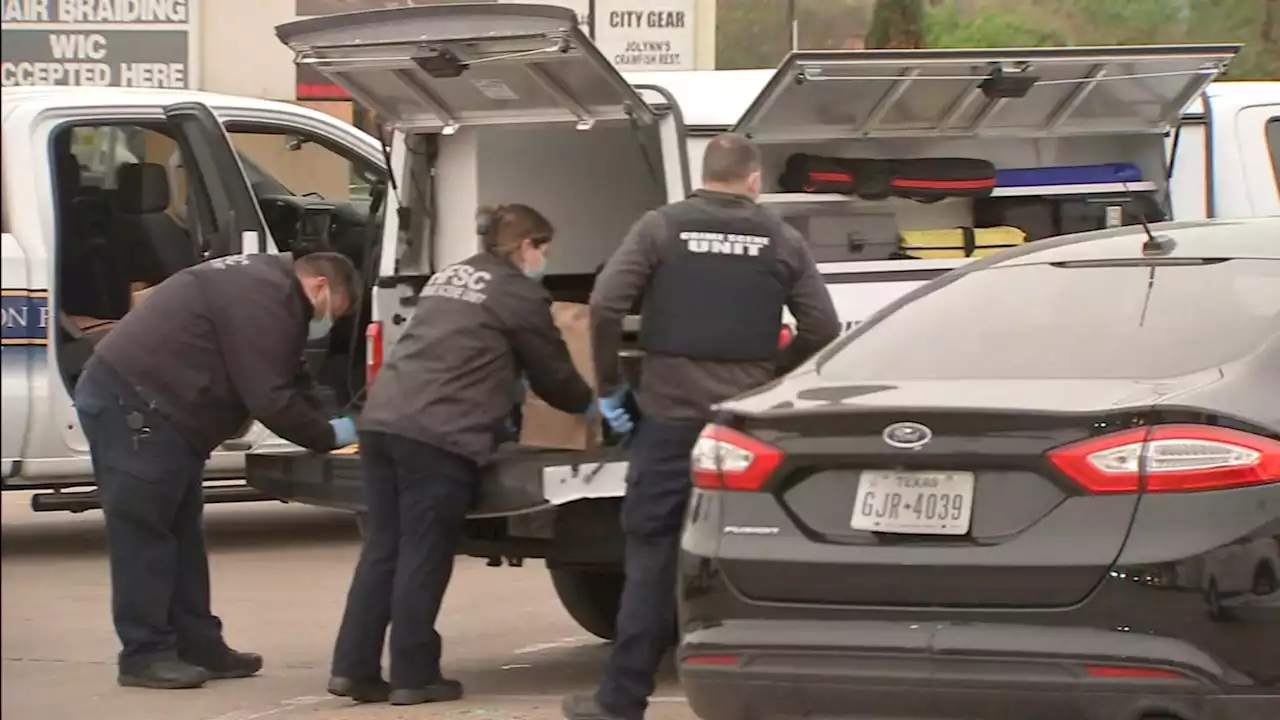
715, 272
214, 347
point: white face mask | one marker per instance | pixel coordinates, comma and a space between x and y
535, 272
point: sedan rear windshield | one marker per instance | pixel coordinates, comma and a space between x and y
1048, 321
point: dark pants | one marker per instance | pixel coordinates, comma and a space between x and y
150, 484
658, 487
418, 496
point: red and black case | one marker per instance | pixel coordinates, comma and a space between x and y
938, 178
867, 178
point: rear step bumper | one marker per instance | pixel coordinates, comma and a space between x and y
866, 670
79, 501
518, 481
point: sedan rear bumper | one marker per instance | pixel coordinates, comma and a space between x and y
875, 670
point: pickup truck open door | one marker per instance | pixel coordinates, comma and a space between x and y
226, 213
229, 219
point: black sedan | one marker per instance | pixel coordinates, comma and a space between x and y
1010, 495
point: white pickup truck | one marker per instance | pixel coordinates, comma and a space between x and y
500, 102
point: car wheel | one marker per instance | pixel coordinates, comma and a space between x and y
591, 598
1264, 580
1213, 599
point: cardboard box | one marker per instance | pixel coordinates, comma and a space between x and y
545, 427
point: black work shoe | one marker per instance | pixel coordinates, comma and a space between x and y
585, 707
231, 664
442, 690
362, 691
165, 675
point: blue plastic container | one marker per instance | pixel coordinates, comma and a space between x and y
1069, 175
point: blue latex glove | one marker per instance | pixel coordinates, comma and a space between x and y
344, 431
611, 407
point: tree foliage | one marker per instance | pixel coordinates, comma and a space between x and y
897, 24
946, 27
754, 33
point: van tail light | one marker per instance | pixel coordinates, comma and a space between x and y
372, 351
785, 336
1175, 458
725, 459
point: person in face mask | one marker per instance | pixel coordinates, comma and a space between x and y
428, 427
215, 346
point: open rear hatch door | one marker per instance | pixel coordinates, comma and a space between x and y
1039, 92
438, 68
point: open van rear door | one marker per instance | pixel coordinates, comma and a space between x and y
229, 216
1038, 92
441, 67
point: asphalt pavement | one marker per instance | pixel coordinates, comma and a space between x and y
280, 576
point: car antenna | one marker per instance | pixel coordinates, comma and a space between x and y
1153, 244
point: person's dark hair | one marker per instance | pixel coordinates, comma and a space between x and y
503, 227
336, 268
729, 158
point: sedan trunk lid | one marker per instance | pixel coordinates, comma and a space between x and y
931, 493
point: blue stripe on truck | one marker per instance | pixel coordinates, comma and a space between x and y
26, 317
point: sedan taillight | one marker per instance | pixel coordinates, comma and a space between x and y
725, 459
1175, 458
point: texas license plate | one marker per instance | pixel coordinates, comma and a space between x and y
915, 503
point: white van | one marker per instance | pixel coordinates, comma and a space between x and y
506, 102
64, 217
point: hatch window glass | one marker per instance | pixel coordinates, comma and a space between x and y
1045, 321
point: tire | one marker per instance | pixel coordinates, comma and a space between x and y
1264, 580
1213, 600
591, 598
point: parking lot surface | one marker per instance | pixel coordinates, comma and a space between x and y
280, 576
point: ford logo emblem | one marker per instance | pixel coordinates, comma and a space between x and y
907, 435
